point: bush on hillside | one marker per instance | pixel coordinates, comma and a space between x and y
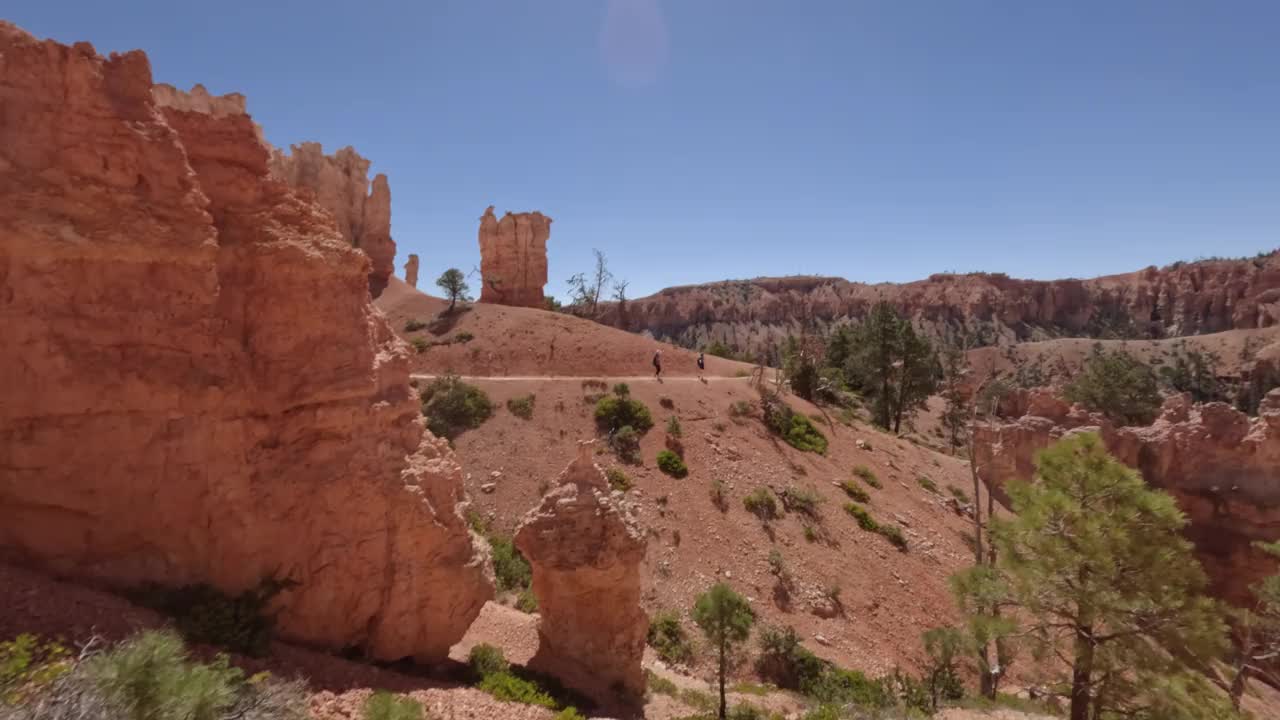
719, 495
784, 661
867, 476
383, 705
453, 406
420, 345
522, 407
673, 427
668, 638
1118, 385
803, 501
927, 484
761, 504
795, 429
619, 410
855, 491
625, 442
618, 480
485, 660
414, 325
671, 464
509, 566
207, 616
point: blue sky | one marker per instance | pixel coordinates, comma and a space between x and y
697, 140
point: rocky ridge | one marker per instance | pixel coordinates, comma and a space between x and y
1222, 467
513, 258
1181, 299
180, 404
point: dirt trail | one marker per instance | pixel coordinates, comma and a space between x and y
579, 378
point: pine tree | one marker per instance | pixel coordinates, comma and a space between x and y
726, 619
955, 415
1107, 584
454, 284
893, 364
1118, 385
1259, 631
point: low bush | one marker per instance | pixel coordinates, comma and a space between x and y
784, 661
893, 534
619, 410
569, 713
618, 480
28, 664
205, 615
855, 491
625, 442
414, 325
463, 337
453, 406
383, 705
741, 409
660, 685
526, 601
803, 501
761, 504
485, 660
867, 476
927, 484
420, 344
522, 407
668, 638
720, 495
795, 429
838, 685
512, 688
859, 513
958, 493
671, 464
673, 427
509, 566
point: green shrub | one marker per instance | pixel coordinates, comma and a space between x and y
1118, 385
745, 711
855, 491
485, 660
927, 484
784, 661
893, 534
803, 501
859, 513
414, 325
522, 407
619, 410
673, 427
27, 665
453, 406
463, 337
761, 504
420, 344
811, 533
618, 480
383, 705
526, 601
509, 566
660, 685
625, 441
741, 409
668, 638
205, 615
837, 685
150, 677
569, 713
509, 687
477, 522
720, 495
958, 493
795, 429
867, 476
671, 464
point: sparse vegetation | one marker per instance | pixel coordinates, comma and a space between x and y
205, 615
509, 566
673, 427
27, 665
453, 406
619, 410
867, 476
855, 492
958, 493
741, 409
927, 484
784, 661
660, 685
522, 406
671, 464
761, 504
625, 442
463, 337
1118, 385
618, 480
801, 500
892, 533
526, 601
513, 688
383, 705
668, 638
420, 345
796, 429
720, 495
485, 660
414, 325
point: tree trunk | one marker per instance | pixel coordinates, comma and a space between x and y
722, 664
1082, 673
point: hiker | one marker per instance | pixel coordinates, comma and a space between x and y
657, 362
702, 364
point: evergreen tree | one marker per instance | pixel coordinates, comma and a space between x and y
894, 365
1259, 631
955, 414
1118, 385
454, 284
1097, 564
725, 618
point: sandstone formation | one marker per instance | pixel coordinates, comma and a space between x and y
196, 387
1181, 299
513, 258
1222, 466
341, 185
586, 552
411, 271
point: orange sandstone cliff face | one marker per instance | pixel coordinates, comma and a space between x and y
513, 258
1182, 299
341, 185
195, 386
1222, 467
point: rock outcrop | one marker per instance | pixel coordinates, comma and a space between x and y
411, 271
1178, 300
196, 387
1222, 466
513, 258
586, 551
341, 185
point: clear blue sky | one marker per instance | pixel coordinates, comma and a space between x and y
697, 140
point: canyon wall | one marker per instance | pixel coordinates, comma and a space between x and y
1222, 467
340, 183
196, 387
513, 258
1182, 299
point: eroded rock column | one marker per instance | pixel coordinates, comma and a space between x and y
586, 550
513, 258
411, 271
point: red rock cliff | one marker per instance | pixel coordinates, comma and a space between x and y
195, 385
1182, 299
513, 258
341, 185
1222, 466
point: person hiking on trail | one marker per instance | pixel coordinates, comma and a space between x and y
702, 364
657, 362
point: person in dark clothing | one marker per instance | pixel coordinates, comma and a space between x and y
657, 363
702, 364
